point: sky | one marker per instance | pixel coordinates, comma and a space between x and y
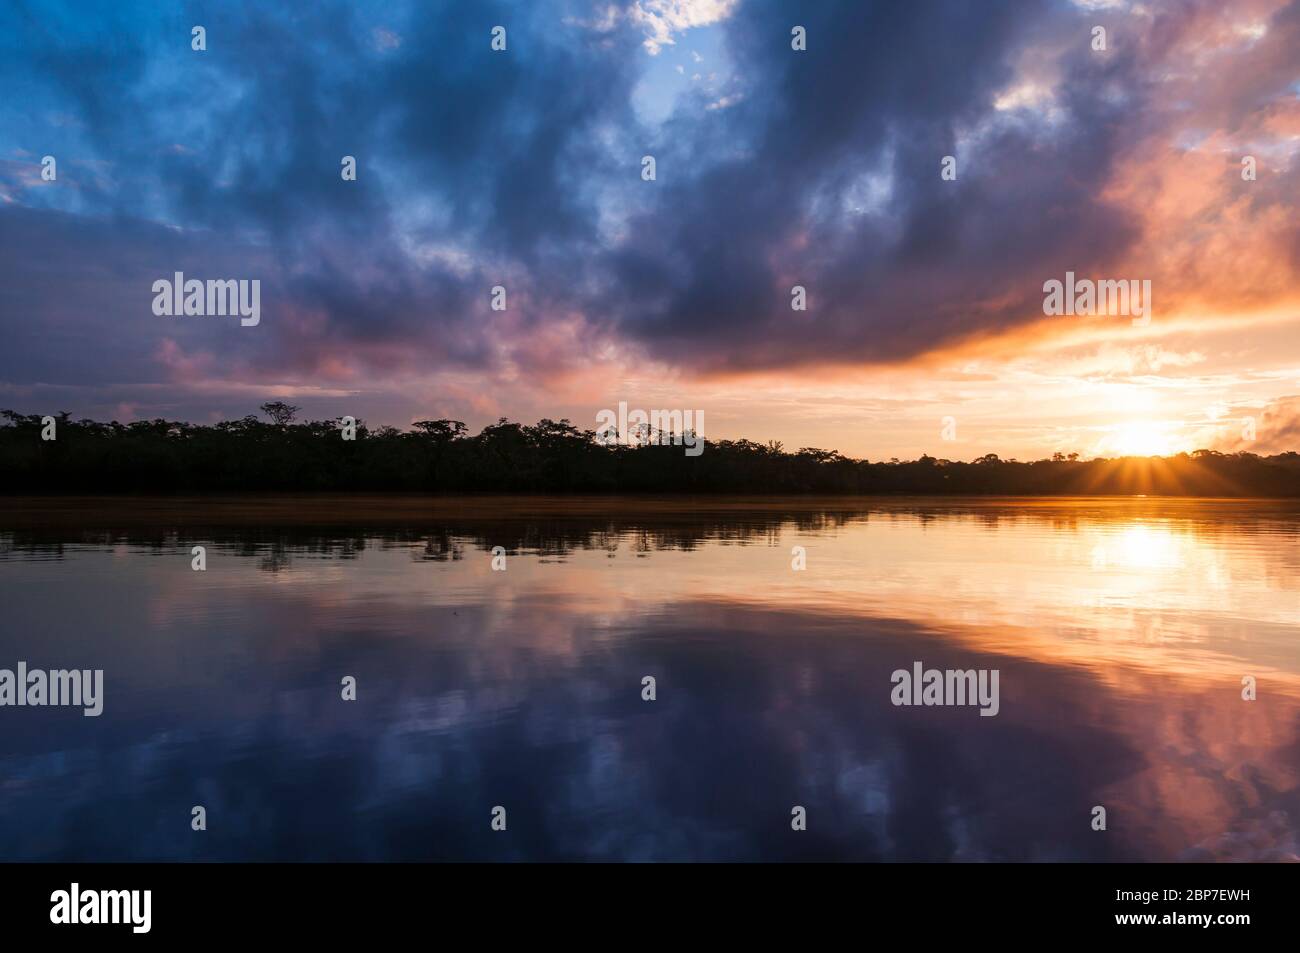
924, 330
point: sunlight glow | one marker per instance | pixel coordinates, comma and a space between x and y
1142, 438
1143, 546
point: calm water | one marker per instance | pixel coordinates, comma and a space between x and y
1121, 631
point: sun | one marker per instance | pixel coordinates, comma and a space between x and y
1142, 438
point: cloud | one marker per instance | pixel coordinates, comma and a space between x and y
663, 19
1274, 428
522, 168
385, 40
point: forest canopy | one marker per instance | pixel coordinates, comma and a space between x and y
441, 456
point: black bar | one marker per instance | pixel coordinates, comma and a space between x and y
330, 902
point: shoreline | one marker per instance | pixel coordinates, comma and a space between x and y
354, 508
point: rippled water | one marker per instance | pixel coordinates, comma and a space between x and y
1121, 630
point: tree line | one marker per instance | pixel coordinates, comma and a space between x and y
441, 456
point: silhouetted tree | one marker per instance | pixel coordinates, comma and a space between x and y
281, 414
249, 454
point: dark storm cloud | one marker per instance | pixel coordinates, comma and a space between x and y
888, 88
818, 168
240, 147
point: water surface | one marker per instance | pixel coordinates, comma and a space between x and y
1121, 630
